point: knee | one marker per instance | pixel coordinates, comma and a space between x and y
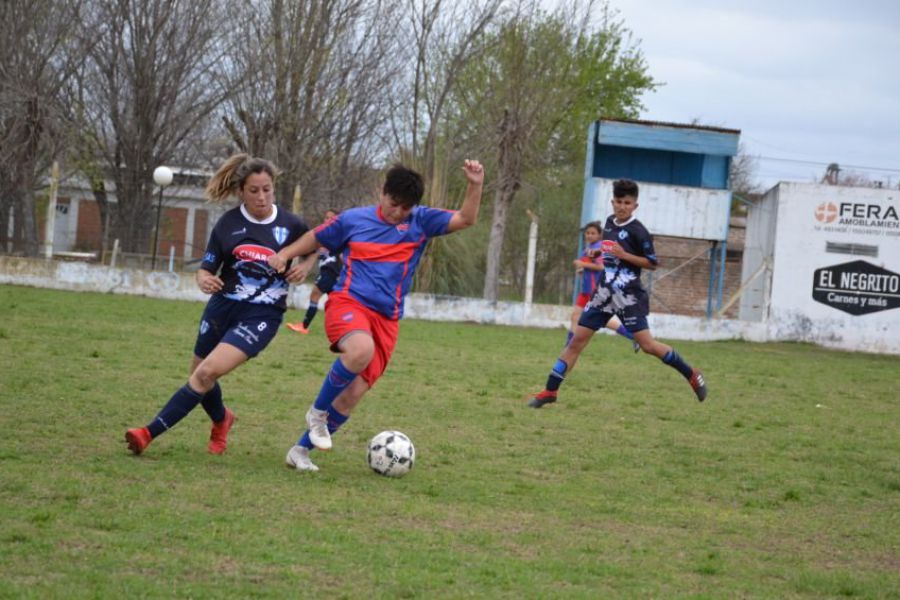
358, 351
204, 377
580, 339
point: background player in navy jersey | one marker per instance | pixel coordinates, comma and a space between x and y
627, 248
590, 267
381, 246
329, 269
248, 296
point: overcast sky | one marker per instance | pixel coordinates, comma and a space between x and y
807, 82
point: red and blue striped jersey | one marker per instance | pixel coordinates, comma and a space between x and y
380, 259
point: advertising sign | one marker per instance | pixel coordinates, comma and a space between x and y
857, 288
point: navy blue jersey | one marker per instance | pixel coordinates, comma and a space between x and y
329, 264
620, 290
240, 245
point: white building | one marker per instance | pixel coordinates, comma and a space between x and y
822, 265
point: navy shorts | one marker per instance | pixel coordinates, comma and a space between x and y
249, 327
325, 281
603, 306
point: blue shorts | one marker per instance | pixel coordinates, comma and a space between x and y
248, 327
602, 307
325, 281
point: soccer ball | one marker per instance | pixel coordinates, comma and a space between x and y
391, 454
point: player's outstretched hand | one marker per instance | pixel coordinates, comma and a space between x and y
474, 171
297, 273
277, 263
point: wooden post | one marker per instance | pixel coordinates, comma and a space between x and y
50, 221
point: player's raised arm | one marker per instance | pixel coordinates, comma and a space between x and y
301, 247
467, 214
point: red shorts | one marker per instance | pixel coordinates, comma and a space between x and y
343, 314
582, 300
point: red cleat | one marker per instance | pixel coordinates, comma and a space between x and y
138, 439
542, 399
218, 437
298, 327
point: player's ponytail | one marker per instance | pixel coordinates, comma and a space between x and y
230, 177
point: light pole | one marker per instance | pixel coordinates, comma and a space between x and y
163, 177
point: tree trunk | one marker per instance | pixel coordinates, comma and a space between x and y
502, 200
509, 179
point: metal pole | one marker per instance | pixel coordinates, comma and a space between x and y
156, 235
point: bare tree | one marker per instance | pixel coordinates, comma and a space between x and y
148, 85
446, 36
38, 54
317, 80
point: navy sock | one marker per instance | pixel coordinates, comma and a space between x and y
335, 420
311, 311
177, 408
557, 375
624, 332
305, 441
338, 378
675, 361
213, 405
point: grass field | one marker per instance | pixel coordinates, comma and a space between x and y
784, 484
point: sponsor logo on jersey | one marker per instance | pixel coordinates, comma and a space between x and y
241, 231
403, 227
280, 234
252, 252
204, 327
623, 234
347, 316
209, 257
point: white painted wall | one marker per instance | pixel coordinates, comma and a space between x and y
79, 276
666, 209
792, 228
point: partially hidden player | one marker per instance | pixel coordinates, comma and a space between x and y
627, 248
248, 296
381, 246
329, 268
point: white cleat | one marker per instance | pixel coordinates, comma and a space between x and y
317, 421
298, 458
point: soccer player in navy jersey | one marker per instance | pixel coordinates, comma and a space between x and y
590, 267
627, 248
381, 246
248, 296
329, 268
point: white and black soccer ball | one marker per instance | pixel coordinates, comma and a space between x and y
391, 454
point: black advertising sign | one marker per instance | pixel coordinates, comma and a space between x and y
857, 287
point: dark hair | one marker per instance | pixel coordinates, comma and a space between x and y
624, 187
233, 173
404, 185
595, 225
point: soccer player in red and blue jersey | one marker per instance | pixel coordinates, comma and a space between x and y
627, 248
380, 246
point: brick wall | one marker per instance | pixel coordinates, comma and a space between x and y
685, 291
172, 231
201, 219
89, 235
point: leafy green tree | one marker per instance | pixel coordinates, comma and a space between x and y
527, 99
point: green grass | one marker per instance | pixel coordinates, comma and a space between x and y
784, 484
